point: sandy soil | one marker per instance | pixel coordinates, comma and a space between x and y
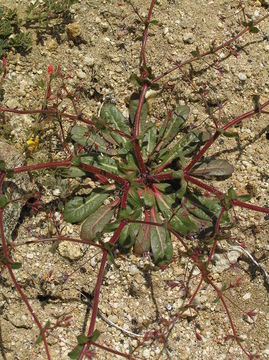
135, 295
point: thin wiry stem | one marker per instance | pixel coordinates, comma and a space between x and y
18, 288
97, 289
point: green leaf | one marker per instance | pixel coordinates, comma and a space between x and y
149, 141
253, 30
165, 204
111, 226
15, 265
149, 198
154, 22
40, 338
115, 119
107, 164
171, 125
77, 209
207, 209
185, 146
2, 165
3, 201
135, 79
129, 164
232, 194
230, 134
246, 197
160, 241
133, 109
196, 53
74, 354
183, 188
134, 198
73, 171
54, 246
180, 221
10, 173
82, 339
88, 137
213, 168
142, 242
128, 235
130, 213
95, 335
96, 222
164, 187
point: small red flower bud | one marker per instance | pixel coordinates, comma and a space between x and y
50, 69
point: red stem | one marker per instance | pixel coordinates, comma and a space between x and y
59, 239
245, 116
204, 186
45, 165
163, 176
139, 109
198, 156
126, 356
144, 75
125, 195
96, 170
218, 291
68, 116
145, 37
209, 52
18, 288
231, 123
250, 206
220, 195
112, 241
139, 158
212, 251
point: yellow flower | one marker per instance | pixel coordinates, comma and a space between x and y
33, 143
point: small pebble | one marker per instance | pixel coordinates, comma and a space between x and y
81, 74
247, 296
56, 192
89, 61
133, 270
73, 30
233, 256
169, 307
188, 38
165, 31
242, 76
146, 353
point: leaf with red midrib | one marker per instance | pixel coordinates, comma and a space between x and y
96, 222
142, 243
161, 245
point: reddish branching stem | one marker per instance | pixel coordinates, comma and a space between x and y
18, 288
112, 241
144, 42
217, 290
211, 51
45, 165
96, 170
213, 138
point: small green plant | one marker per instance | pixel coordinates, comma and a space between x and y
41, 14
156, 194
46, 17
11, 35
